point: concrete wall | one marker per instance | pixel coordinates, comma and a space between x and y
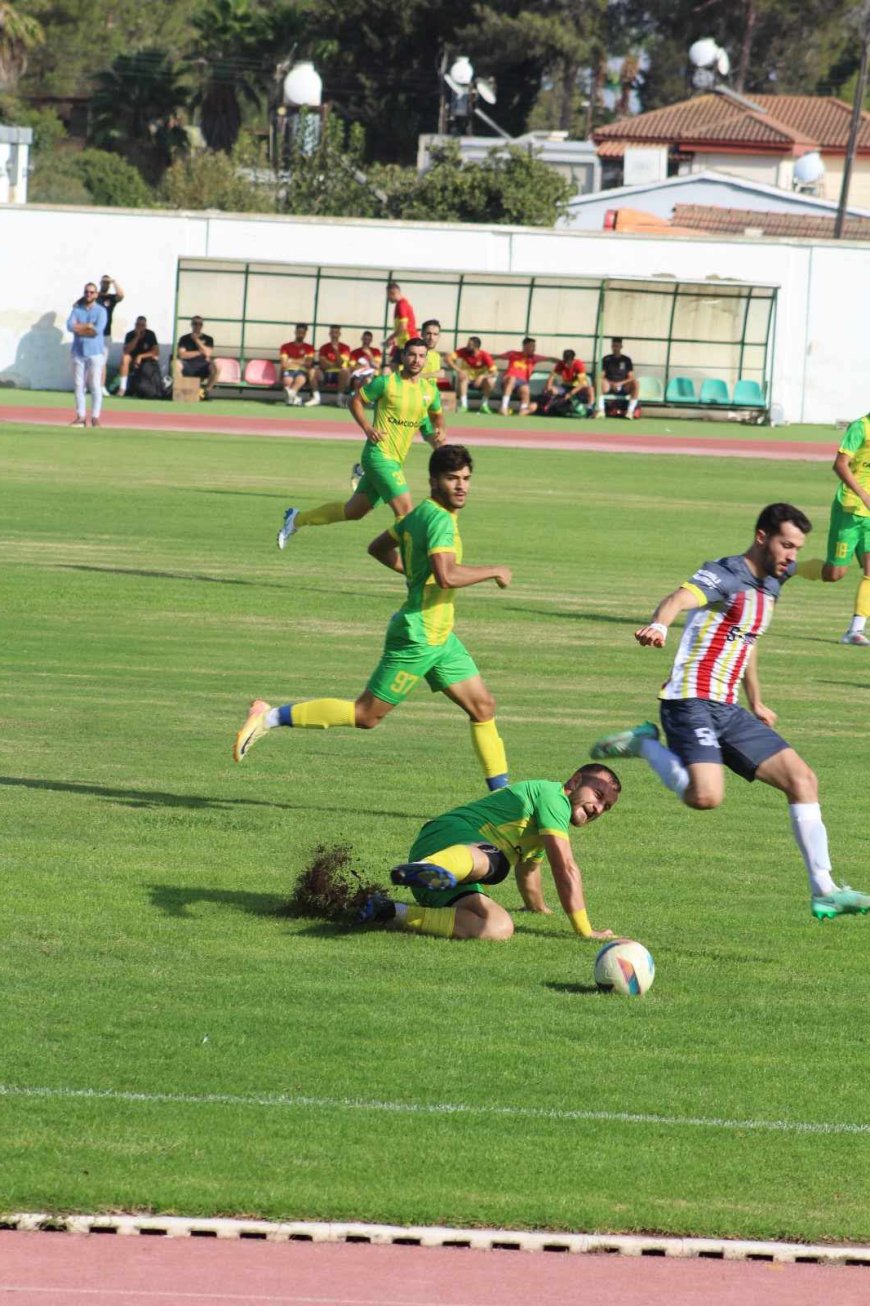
46, 255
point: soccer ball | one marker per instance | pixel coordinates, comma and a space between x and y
624, 966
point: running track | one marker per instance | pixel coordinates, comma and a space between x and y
611, 437
62, 1269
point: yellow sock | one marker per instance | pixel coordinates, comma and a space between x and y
458, 858
325, 515
488, 746
862, 598
320, 713
810, 569
431, 920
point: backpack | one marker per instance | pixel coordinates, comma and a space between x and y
148, 380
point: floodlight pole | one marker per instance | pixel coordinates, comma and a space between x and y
855, 125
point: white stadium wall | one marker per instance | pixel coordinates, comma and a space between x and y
47, 253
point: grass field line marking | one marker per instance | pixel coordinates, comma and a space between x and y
302, 1103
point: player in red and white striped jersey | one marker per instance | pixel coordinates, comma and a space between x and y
731, 603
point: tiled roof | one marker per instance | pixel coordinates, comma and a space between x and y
791, 124
711, 218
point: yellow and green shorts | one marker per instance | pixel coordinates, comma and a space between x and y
383, 478
848, 534
404, 664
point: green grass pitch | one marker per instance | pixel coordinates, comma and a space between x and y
169, 1043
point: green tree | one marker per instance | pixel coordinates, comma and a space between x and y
86, 177
20, 33
134, 111
230, 66
212, 179
328, 177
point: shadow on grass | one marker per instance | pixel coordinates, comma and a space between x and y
176, 900
170, 575
557, 615
573, 988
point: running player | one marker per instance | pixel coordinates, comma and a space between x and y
457, 856
849, 529
731, 602
404, 402
424, 547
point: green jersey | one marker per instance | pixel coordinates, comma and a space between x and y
856, 443
400, 407
514, 819
426, 616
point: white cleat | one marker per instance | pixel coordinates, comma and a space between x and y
289, 527
313, 401
855, 637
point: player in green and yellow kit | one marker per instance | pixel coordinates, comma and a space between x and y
849, 530
456, 856
425, 547
405, 402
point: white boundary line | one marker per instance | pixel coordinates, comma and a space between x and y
303, 1103
435, 1236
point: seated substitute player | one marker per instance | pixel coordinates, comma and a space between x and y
333, 364
424, 547
457, 856
731, 601
365, 361
521, 363
402, 400
849, 529
566, 383
297, 365
617, 378
474, 367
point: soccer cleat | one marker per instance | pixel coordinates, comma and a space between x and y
78, 421
855, 637
356, 476
377, 909
313, 401
289, 527
422, 875
624, 743
253, 729
484, 407
95, 421
842, 902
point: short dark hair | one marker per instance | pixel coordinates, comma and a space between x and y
569, 353
415, 340
369, 333
334, 327
431, 321
529, 340
450, 458
393, 285
598, 768
616, 340
771, 518
301, 326
475, 340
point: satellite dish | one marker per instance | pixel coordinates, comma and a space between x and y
462, 72
809, 168
723, 63
486, 91
703, 53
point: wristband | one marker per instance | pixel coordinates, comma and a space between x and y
660, 627
580, 921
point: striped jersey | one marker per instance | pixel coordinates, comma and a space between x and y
426, 616
737, 607
400, 407
856, 443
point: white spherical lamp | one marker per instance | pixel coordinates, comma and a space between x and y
809, 168
461, 71
703, 53
303, 86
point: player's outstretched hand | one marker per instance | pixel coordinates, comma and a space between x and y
650, 637
765, 715
503, 577
602, 934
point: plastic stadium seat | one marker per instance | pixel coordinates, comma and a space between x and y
714, 391
681, 390
749, 394
650, 389
228, 369
261, 371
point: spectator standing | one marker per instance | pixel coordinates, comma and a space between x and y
404, 324
474, 367
617, 378
521, 363
297, 365
109, 298
333, 364
139, 344
194, 352
87, 322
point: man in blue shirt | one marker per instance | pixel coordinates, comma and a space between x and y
87, 322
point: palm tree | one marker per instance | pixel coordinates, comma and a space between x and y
19, 33
134, 111
229, 65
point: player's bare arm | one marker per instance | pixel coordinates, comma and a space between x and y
569, 882
452, 575
358, 413
844, 471
528, 877
385, 549
752, 686
437, 437
655, 632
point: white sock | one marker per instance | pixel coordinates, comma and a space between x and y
272, 718
666, 765
401, 910
858, 624
601, 405
504, 405
122, 385
632, 404
811, 837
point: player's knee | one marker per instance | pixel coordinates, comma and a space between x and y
498, 926
703, 800
803, 783
484, 707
